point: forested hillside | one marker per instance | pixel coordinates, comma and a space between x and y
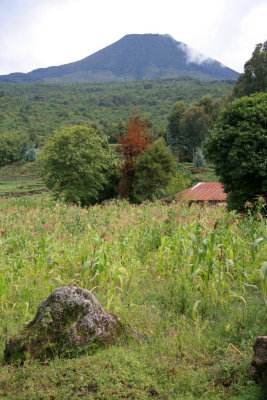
38, 109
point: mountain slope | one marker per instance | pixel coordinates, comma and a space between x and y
133, 57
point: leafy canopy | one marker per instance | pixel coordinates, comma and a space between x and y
188, 128
156, 174
11, 144
154, 169
254, 78
239, 150
77, 165
176, 139
194, 125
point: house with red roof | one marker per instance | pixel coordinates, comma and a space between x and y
210, 192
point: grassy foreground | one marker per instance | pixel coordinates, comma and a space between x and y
189, 279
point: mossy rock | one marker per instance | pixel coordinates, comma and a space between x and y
71, 319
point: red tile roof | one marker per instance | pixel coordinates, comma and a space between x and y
204, 191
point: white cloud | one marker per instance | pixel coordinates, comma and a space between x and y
253, 30
193, 56
242, 24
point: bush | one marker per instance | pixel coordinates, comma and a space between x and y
31, 155
155, 170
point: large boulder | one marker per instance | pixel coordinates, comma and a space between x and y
259, 361
71, 318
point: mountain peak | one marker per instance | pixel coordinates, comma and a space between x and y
133, 57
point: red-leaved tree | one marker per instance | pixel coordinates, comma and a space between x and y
133, 143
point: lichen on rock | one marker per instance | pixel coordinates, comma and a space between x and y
71, 318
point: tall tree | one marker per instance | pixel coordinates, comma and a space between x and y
133, 143
175, 135
254, 78
238, 150
211, 107
194, 125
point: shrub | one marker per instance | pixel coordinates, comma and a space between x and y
155, 168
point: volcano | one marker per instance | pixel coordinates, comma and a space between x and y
134, 57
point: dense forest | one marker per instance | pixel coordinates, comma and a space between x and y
36, 110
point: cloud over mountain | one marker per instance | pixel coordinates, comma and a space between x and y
136, 56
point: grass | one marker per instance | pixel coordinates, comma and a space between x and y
200, 174
189, 279
20, 179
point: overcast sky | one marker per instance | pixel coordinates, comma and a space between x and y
41, 33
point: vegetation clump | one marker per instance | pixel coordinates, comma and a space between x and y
254, 77
149, 170
238, 150
77, 165
155, 172
131, 145
188, 128
36, 110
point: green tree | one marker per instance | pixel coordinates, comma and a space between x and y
155, 168
211, 107
10, 145
77, 165
31, 155
175, 135
195, 128
254, 78
239, 148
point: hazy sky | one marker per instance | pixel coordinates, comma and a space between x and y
40, 33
